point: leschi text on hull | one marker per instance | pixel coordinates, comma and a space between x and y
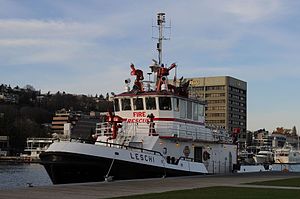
155, 130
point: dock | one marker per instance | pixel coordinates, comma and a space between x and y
98, 190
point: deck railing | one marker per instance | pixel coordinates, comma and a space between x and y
168, 130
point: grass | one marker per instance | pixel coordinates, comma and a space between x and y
292, 182
221, 193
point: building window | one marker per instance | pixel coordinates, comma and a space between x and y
235, 97
215, 121
138, 104
234, 109
198, 88
215, 108
126, 104
150, 103
165, 103
216, 101
209, 88
215, 95
215, 114
234, 103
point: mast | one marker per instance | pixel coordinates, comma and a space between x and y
161, 20
160, 70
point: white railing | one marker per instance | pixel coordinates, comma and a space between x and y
169, 129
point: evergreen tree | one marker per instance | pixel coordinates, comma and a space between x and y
294, 131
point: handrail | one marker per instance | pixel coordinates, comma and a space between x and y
114, 144
168, 129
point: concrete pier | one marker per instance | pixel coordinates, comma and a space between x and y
133, 187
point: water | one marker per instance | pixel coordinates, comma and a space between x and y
18, 175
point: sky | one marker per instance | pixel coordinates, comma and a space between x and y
86, 47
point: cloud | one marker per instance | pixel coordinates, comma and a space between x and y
18, 28
39, 41
253, 11
212, 38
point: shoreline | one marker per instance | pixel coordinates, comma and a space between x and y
19, 159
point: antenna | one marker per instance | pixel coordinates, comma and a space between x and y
161, 20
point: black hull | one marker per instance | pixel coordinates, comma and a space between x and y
66, 168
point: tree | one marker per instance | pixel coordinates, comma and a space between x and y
294, 131
29, 87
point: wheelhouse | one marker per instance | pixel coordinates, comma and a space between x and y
164, 107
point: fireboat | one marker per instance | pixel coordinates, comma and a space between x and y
156, 130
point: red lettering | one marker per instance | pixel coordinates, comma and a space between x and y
138, 120
139, 114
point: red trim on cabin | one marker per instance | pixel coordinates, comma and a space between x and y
173, 120
151, 93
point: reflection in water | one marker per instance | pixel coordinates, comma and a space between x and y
20, 175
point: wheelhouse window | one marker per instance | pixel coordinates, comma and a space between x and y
138, 104
126, 104
150, 103
201, 110
176, 104
189, 110
116, 104
195, 111
165, 103
182, 109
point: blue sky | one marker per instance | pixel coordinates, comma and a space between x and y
86, 47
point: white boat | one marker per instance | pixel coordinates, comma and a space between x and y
245, 157
264, 157
287, 154
156, 131
35, 146
287, 159
254, 168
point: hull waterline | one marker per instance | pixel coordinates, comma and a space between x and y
65, 168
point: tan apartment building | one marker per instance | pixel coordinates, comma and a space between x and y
226, 99
63, 121
74, 124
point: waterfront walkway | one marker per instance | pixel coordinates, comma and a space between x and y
133, 187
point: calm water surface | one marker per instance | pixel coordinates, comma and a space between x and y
18, 175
